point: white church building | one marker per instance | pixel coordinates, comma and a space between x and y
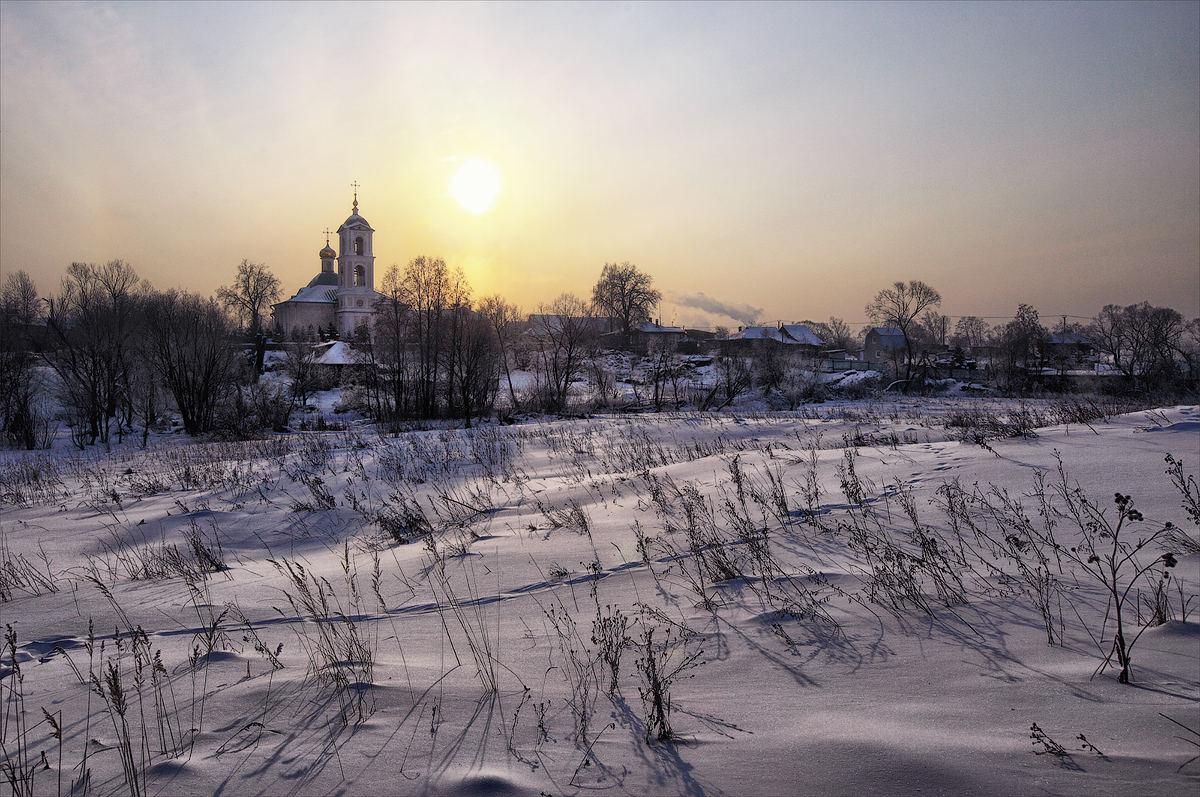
344, 297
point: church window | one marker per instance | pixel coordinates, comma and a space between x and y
358, 245
359, 302
360, 276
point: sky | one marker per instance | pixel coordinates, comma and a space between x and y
761, 162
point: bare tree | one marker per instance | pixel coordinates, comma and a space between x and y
899, 307
92, 327
666, 370
836, 334
768, 365
393, 318
22, 414
20, 301
565, 336
970, 332
1189, 350
189, 340
1142, 340
433, 352
626, 294
840, 334
253, 291
1021, 343
477, 365
733, 379
1108, 331
934, 328
453, 323
1157, 331
424, 288
300, 366
507, 323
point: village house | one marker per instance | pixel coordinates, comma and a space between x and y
650, 334
1069, 349
884, 345
793, 337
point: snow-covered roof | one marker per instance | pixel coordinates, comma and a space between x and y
802, 334
1070, 338
790, 334
324, 278
757, 333
891, 338
337, 352
651, 328
315, 293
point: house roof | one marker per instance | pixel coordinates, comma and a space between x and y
802, 334
1070, 338
651, 328
320, 293
757, 333
337, 352
890, 337
355, 222
790, 334
324, 278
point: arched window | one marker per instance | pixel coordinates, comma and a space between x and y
360, 276
358, 245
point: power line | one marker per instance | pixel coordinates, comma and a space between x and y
998, 317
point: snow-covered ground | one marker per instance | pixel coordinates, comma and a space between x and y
800, 597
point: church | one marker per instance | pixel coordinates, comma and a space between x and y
343, 298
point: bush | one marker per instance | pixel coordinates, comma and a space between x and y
858, 388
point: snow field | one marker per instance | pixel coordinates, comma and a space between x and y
779, 626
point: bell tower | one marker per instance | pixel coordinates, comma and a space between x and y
356, 272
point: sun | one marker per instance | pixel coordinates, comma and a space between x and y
475, 185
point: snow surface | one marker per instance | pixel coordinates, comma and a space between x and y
535, 536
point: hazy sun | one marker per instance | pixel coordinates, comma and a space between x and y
475, 185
